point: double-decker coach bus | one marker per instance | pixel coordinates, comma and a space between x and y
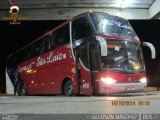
93, 53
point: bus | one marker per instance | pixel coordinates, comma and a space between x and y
93, 53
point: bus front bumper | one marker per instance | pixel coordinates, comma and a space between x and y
119, 88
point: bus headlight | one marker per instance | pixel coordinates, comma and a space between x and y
143, 80
108, 80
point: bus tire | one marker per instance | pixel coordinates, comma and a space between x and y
23, 90
68, 88
17, 90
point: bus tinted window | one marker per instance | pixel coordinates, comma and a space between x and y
84, 55
81, 28
51, 41
27, 53
62, 36
35, 49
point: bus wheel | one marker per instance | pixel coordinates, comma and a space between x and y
17, 90
23, 90
68, 88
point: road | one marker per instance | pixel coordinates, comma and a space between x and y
130, 103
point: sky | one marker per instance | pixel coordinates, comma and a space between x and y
15, 36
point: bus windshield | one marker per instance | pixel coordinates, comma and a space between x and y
123, 56
112, 26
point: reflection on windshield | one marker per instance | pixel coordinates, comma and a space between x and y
113, 26
123, 56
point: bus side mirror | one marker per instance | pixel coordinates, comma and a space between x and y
103, 45
153, 51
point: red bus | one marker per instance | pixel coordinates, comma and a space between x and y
94, 53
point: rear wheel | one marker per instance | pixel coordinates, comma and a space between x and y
23, 90
17, 90
68, 88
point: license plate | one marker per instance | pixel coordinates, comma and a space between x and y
130, 88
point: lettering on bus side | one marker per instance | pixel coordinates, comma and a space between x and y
25, 68
42, 61
51, 58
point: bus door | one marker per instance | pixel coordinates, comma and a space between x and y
81, 34
83, 69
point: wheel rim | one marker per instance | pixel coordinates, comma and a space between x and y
70, 90
17, 91
23, 92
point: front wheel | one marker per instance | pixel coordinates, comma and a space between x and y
68, 88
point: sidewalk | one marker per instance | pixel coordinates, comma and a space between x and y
151, 89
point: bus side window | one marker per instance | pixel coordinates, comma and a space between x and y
42, 48
48, 42
35, 49
42, 45
81, 28
58, 40
51, 41
27, 53
52, 44
62, 35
